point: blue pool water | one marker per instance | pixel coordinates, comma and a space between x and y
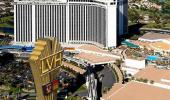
152, 58
129, 44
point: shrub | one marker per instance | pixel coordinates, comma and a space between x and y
152, 82
138, 80
133, 78
145, 80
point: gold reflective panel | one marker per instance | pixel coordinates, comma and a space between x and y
45, 61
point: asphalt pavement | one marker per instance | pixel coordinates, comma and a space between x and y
109, 78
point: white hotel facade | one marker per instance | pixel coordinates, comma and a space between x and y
99, 22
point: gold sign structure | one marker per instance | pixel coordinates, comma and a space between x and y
45, 60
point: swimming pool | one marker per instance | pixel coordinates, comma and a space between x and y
129, 44
152, 58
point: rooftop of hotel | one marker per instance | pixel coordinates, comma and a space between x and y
140, 43
154, 36
88, 47
155, 74
98, 1
139, 91
168, 39
160, 45
94, 59
93, 48
136, 54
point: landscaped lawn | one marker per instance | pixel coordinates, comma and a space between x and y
7, 21
167, 26
74, 98
82, 88
7, 18
15, 90
4, 42
6, 25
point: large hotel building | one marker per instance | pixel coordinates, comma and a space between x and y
99, 22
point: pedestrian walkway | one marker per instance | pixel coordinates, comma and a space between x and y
75, 68
119, 73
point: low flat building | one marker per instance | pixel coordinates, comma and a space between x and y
160, 43
95, 55
161, 47
133, 62
153, 37
132, 66
94, 59
91, 54
161, 76
92, 49
139, 91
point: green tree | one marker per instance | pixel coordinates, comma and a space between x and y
165, 18
133, 15
155, 17
166, 7
156, 1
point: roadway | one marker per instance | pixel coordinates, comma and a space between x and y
108, 78
155, 30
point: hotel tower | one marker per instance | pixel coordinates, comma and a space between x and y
98, 22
